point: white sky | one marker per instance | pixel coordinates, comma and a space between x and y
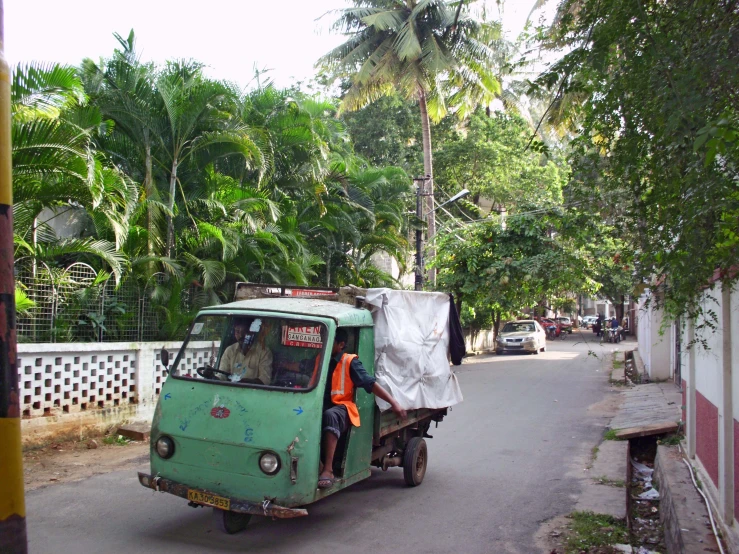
229, 36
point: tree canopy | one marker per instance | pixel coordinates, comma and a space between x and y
655, 85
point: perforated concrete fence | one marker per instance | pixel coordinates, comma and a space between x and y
89, 379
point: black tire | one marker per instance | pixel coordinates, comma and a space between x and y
230, 522
415, 460
498, 352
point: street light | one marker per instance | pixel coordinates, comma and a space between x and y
419, 213
461, 194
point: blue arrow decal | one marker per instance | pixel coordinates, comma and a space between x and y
167, 396
298, 410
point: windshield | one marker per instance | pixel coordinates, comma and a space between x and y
518, 328
256, 351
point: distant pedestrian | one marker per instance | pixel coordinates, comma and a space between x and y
599, 325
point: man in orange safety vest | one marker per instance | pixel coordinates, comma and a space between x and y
339, 409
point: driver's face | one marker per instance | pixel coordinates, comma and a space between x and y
239, 332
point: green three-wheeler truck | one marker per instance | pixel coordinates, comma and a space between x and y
252, 446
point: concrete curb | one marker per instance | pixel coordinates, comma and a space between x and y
605, 491
683, 514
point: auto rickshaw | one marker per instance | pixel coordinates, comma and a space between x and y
252, 446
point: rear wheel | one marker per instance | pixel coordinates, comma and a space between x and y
415, 459
230, 522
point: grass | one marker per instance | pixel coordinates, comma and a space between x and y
610, 435
603, 480
672, 440
118, 440
590, 530
593, 456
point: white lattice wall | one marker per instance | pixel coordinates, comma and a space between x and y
58, 379
198, 354
76, 381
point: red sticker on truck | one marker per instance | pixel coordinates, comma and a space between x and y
306, 337
220, 412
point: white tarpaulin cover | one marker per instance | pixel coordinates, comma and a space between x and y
411, 348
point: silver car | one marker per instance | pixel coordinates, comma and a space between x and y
525, 335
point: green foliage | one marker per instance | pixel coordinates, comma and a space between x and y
429, 49
590, 530
386, 132
116, 440
657, 152
610, 435
23, 304
488, 156
509, 270
183, 186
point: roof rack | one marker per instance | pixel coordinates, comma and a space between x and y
347, 295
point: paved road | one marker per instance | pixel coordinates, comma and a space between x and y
506, 459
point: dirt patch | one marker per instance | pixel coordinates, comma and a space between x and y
609, 405
74, 461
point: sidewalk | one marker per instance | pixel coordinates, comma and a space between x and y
646, 410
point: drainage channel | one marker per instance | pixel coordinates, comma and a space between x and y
643, 499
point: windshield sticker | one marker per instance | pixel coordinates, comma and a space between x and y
196, 329
305, 337
256, 325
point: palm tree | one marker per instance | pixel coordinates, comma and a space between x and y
431, 51
123, 89
57, 170
198, 119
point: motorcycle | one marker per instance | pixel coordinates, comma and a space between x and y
613, 335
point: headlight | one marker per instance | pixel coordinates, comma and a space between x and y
165, 447
501, 339
269, 463
529, 339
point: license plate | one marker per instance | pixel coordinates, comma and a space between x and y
209, 499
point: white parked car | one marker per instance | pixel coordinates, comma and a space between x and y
588, 321
525, 335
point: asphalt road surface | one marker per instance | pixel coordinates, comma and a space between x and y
508, 458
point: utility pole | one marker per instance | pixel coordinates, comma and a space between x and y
12, 503
420, 193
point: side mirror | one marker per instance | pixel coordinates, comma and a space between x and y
165, 358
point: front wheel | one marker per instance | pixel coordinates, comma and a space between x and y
498, 352
230, 522
415, 459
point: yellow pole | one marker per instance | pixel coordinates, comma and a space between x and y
12, 503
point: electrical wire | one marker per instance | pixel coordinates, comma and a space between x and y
708, 505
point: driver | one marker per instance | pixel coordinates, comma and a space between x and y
246, 361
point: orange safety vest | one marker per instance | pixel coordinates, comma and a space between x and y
342, 387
